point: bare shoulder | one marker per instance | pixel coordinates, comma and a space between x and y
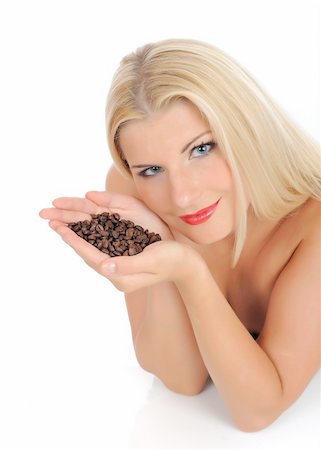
115, 181
291, 332
310, 218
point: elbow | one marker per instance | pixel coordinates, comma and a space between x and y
251, 427
179, 385
144, 365
187, 390
259, 416
254, 424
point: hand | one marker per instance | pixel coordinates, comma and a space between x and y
71, 209
158, 262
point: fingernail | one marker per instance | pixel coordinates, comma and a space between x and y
110, 267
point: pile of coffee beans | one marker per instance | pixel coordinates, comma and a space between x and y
114, 236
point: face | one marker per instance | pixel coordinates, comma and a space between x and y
179, 170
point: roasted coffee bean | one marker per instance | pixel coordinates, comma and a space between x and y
99, 228
140, 237
132, 251
113, 235
153, 238
129, 233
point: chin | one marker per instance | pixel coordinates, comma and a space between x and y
207, 240
201, 237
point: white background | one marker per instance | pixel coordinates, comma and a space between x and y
68, 375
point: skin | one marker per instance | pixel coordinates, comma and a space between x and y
191, 321
191, 181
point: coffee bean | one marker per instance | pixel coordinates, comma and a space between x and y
113, 235
129, 233
132, 251
140, 238
99, 228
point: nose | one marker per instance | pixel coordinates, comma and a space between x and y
184, 191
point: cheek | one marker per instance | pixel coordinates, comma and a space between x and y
152, 197
219, 176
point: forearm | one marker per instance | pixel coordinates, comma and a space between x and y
165, 344
242, 372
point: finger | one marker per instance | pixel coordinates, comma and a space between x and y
63, 215
144, 263
77, 204
99, 262
111, 200
90, 254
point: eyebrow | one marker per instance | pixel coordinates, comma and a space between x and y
140, 166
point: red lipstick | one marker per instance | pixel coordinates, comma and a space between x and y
200, 216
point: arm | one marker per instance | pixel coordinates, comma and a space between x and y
162, 335
259, 380
165, 343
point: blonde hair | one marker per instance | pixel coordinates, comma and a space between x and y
279, 162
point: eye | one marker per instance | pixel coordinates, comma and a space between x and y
150, 171
203, 149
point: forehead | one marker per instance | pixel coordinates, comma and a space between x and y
176, 125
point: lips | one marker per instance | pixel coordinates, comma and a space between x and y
200, 216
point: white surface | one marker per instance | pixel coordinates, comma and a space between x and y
68, 375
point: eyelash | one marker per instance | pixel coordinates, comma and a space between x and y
211, 145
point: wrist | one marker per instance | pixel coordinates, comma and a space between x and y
191, 267
194, 281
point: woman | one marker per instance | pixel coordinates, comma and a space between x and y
232, 292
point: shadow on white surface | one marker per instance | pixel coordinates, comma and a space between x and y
171, 421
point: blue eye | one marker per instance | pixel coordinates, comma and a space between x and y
153, 171
203, 149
